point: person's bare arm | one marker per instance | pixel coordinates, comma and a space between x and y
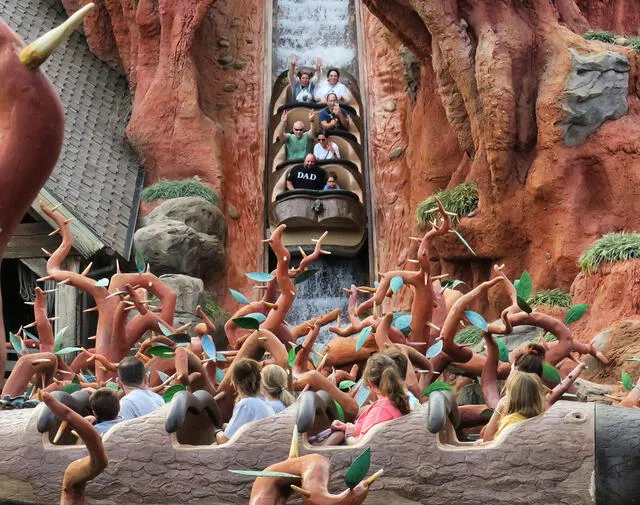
290, 185
317, 74
280, 130
490, 430
220, 438
344, 118
293, 59
313, 130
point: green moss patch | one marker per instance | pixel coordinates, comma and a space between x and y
611, 248
462, 200
551, 297
165, 190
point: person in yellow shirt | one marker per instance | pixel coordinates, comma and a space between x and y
525, 399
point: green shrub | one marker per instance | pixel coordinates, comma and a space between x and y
634, 44
611, 248
468, 335
462, 200
601, 35
212, 308
552, 297
165, 190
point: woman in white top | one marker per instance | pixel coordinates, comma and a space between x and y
325, 149
332, 85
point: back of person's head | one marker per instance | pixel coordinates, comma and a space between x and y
399, 358
245, 376
381, 371
525, 394
274, 384
131, 371
104, 404
531, 360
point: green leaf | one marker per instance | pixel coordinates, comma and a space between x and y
305, 276
260, 276
549, 372
76, 379
346, 385
358, 469
549, 337
102, 283
71, 388
524, 287
632, 359
504, 352
16, 342
250, 322
437, 386
522, 303
170, 392
464, 242
575, 313
208, 346
67, 350
57, 343
239, 296
141, 264
627, 381
569, 395
396, 283
450, 284
258, 316
477, 320
340, 411
258, 473
486, 415
362, 337
113, 385
292, 356
165, 331
219, 375
435, 349
161, 351
180, 338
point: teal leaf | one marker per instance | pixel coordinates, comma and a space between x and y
376, 284
17, 343
239, 296
163, 376
362, 395
504, 352
522, 303
549, 372
208, 346
435, 349
260, 276
525, 285
170, 392
258, 316
575, 313
30, 335
258, 473
569, 395
346, 385
219, 375
477, 320
632, 359
220, 357
57, 342
403, 323
396, 283
161, 351
340, 411
358, 469
464, 242
71, 388
437, 386
102, 283
305, 275
627, 381
67, 350
165, 331
141, 264
362, 337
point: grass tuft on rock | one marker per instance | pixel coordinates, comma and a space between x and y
634, 44
468, 335
611, 248
601, 35
462, 200
165, 190
551, 297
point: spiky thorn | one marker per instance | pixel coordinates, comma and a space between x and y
86, 270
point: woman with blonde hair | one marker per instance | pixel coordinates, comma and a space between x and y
274, 387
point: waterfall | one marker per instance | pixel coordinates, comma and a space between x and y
311, 29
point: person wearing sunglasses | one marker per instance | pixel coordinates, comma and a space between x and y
299, 143
325, 149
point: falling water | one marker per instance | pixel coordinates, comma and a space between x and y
313, 28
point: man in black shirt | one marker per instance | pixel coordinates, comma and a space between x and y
307, 176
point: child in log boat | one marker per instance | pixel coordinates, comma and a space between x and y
274, 387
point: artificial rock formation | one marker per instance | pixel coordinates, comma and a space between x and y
500, 102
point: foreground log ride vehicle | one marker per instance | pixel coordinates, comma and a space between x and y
307, 212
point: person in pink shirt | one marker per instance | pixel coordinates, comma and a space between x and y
382, 378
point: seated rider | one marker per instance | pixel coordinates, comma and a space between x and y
307, 176
138, 400
402, 362
332, 85
332, 182
382, 378
274, 387
303, 84
105, 406
250, 406
299, 143
333, 117
325, 149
